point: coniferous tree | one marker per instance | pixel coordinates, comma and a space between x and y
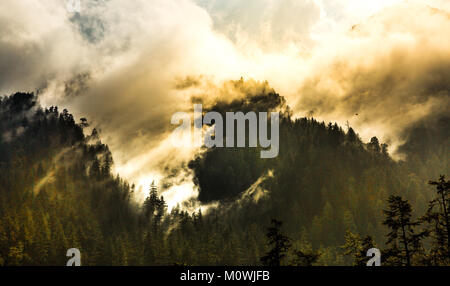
374, 145
404, 242
279, 243
161, 208
357, 247
438, 218
151, 202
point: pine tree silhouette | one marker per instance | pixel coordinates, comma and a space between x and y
438, 218
280, 245
402, 239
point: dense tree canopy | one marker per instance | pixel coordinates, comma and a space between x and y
327, 186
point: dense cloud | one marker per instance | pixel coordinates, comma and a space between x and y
392, 74
129, 65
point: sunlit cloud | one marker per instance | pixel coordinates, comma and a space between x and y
122, 59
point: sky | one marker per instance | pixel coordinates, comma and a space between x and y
121, 64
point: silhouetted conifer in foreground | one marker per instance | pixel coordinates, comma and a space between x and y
279, 244
403, 240
438, 219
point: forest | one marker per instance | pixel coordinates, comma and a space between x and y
325, 200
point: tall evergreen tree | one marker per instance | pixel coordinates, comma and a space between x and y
151, 202
279, 243
438, 218
403, 241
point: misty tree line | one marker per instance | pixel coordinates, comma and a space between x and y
329, 189
57, 192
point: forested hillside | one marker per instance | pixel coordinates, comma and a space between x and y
325, 181
327, 186
57, 191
